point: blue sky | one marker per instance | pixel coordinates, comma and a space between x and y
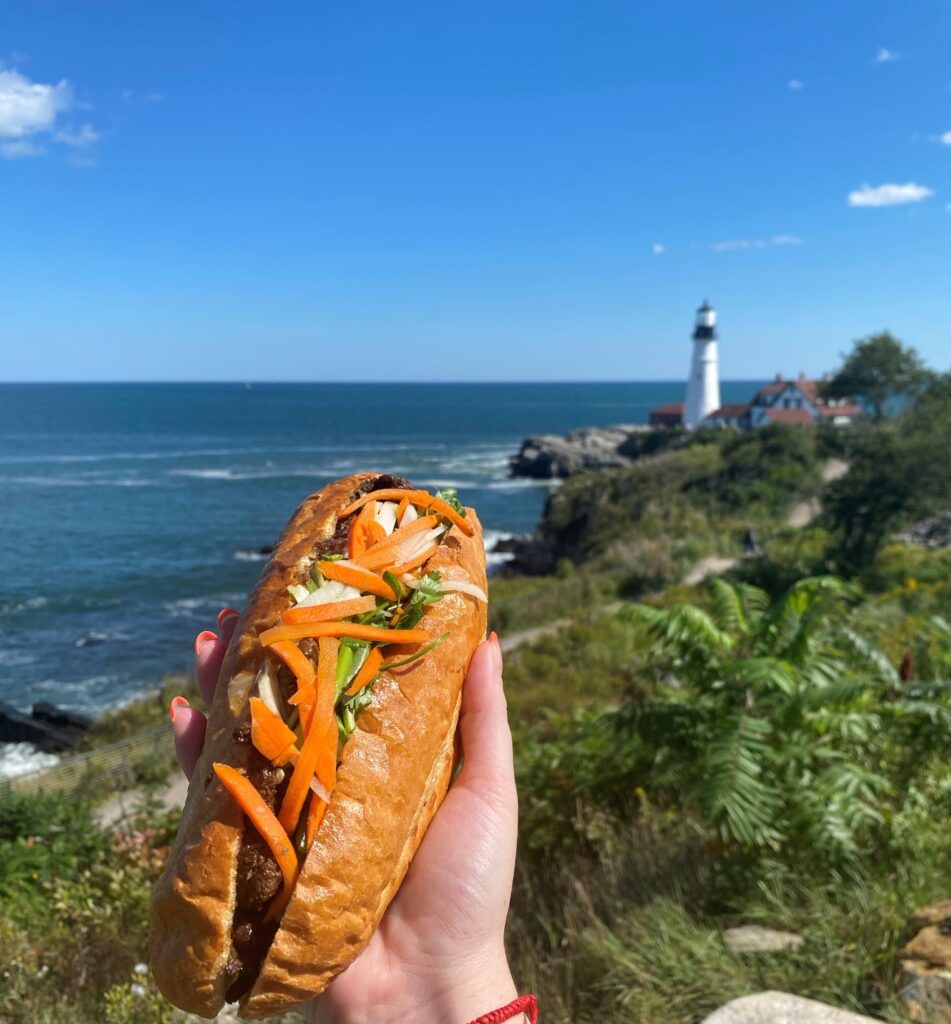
468, 191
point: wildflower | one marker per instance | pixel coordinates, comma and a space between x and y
137, 990
141, 968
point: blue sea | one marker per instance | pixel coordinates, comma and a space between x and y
131, 513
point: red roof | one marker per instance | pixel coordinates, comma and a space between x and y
845, 409
677, 407
730, 411
773, 388
791, 417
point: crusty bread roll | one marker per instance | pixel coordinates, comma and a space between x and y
393, 773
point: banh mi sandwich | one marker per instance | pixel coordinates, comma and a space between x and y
329, 747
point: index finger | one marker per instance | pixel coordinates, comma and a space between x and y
210, 651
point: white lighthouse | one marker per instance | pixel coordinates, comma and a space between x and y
703, 384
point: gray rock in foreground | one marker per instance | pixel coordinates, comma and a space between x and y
752, 938
781, 1008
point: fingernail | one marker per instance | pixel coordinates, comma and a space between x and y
205, 637
496, 649
177, 702
225, 614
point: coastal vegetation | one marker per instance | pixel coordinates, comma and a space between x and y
767, 746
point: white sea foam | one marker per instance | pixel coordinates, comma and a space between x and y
246, 555
16, 659
22, 759
493, 558
77, 481
185, 606
30, 604
520, 483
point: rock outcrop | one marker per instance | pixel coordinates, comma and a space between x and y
49, 729
930, 533
926, 965
550, 457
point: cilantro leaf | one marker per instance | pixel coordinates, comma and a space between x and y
429, 591
451, 496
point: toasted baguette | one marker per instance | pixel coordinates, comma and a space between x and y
394, 772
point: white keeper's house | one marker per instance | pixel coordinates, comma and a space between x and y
796, 402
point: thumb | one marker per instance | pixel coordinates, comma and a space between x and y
484, 726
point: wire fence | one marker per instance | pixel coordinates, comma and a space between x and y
119, 765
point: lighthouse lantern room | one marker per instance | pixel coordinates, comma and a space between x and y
703, 384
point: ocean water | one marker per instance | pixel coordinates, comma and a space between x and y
131, 513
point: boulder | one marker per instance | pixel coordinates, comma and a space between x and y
782, 1008
60, 717
926, 965
16, 727
550, 457
752, 938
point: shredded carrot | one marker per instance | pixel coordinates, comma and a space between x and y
329, 612
298, 662
387, 494
357, 577
262, 818
315, 815
383, 554
306, 695
359, 539
414, 563
378, 634
368, 670
313, 753
270, 735
304, 770
421, 498
401, 508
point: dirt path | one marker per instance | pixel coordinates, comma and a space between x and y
122, 805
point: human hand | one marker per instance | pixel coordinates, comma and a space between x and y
438, 954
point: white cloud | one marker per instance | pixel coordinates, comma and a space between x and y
886, 56
794, 83
657, 248
83, 139
945, 138
889, 194
32, 110
737, 244
29, 107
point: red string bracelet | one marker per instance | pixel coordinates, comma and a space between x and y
524, 1004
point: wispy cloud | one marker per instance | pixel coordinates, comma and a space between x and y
886, 56
737, 244
82, 139
944, 138
889, 194
795, 84
657, 248
31, 111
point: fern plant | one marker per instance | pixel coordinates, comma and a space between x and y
778, 723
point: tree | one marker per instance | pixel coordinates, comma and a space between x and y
898, 472
878, 368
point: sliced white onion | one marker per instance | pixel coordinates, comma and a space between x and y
409, 516
332, 590
385, 515
448, 586
270, 690
417, 544
319, 790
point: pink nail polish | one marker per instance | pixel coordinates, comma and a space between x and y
225, 614
204, 637
177, 702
